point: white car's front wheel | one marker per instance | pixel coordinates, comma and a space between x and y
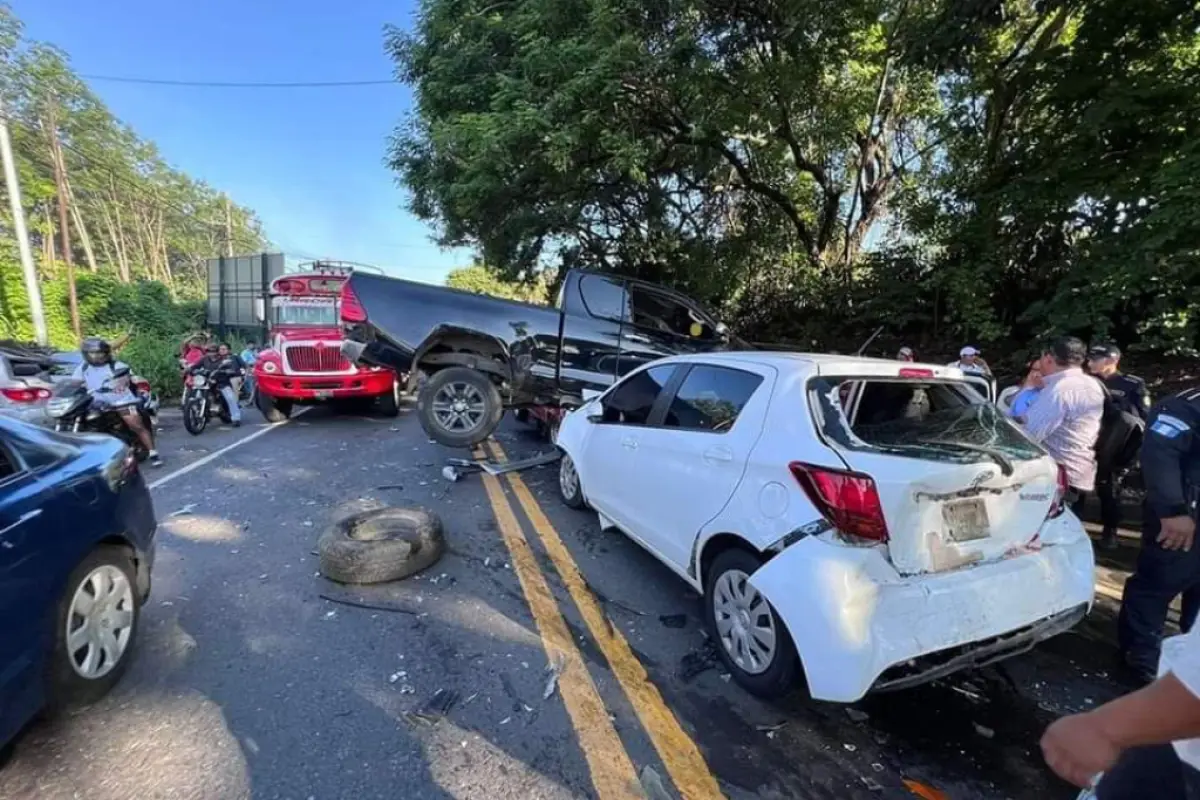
751, 639
569, 487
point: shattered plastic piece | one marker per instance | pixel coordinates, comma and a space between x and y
307, 523
673, 620
330, 614
849, 747
450, 474
436, 707
877, 767
725, 676
924, 790
857, 716
652, 784
555, 670
395, 676
871, 784
770, 728
984, 731
187, 509
506, 720
700, 660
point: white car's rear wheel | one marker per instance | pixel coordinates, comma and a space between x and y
751, 639
569, 487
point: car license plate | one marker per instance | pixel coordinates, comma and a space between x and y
966, 520
324, 395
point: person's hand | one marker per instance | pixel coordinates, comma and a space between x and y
1177, 533
1077, 749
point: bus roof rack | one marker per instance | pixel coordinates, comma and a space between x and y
331, 267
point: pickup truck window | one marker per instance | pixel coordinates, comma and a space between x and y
711, 398
632, 401
660, 312
604, 297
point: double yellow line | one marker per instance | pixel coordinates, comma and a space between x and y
612, 771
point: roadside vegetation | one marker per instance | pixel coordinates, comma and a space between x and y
990, 172
139, 230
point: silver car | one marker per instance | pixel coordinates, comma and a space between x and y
25, 384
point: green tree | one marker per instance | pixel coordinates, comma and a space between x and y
482, 279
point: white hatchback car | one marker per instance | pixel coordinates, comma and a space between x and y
876, 524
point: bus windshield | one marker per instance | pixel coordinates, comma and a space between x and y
290, 312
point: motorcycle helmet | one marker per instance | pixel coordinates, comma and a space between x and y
96, 351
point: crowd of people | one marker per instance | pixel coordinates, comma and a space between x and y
1096, 422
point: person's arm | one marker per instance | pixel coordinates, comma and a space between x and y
1081, 746
1044, 415
1141, 400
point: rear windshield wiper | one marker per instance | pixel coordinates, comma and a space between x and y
1006, 466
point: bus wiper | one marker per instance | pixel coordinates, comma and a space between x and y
1006, 466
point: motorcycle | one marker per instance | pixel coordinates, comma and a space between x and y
202, 399
74, 408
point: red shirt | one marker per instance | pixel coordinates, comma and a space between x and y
193, 354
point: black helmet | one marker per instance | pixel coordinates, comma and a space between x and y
96, 351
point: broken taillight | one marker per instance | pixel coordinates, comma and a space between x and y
849, 500
1059, 505
352, 310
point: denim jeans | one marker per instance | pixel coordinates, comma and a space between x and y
1141, 768
1161, 575
231, 403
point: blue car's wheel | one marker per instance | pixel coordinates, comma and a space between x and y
95, 627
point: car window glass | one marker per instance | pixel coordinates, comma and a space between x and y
710, 398
659, 312
9, 465
631, 402
604, 297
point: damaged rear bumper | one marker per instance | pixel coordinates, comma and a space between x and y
859, 626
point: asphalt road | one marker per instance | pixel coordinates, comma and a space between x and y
247, 683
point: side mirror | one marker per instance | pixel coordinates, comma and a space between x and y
596, 417
722, 330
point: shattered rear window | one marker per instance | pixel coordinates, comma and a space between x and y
935, 420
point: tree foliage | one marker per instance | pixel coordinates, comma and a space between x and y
481, 279
131, 212
990, 168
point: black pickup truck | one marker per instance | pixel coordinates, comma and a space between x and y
482, 355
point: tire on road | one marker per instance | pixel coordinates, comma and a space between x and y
478, 394
195, 416
117, 615
779, 676
274, 409
381, 545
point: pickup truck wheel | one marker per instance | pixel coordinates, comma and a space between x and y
381, 545
569, 488
751, 638
459, 407
274, 409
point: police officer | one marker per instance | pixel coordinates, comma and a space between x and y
1129, 393
1169, 563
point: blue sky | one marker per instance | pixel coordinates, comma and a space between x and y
309, 161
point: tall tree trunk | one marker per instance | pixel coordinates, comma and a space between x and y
64, 230
119, 233
84, 239
114, 236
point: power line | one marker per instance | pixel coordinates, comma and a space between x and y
238, 84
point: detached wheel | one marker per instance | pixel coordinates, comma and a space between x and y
95, 627
389, 404
459, 407
381, 545
273, 409
569, 488
751, 639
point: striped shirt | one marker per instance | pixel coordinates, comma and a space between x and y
1065, 419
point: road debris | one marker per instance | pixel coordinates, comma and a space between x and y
856, 715
554, 671
360, 604
184, 511
871, 784
702, 659
652, 784
849, 747
984, 731
770, 728
330, 614
924, 790
390, 487
435, 708
673, 620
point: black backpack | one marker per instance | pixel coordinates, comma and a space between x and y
1121, 434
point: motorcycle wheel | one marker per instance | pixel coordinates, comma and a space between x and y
195, 415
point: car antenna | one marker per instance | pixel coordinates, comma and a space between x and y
878, 331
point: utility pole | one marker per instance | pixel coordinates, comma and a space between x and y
228, 227
18, 212
60, 181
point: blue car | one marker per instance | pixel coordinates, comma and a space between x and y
76, 547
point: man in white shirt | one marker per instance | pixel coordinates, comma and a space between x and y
96, 370
1065, 417
1144, 743
970, 362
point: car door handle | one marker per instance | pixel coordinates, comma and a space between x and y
629, 442
26, 517
719, 454
636, 338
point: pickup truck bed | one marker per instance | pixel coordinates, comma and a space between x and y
483, 354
